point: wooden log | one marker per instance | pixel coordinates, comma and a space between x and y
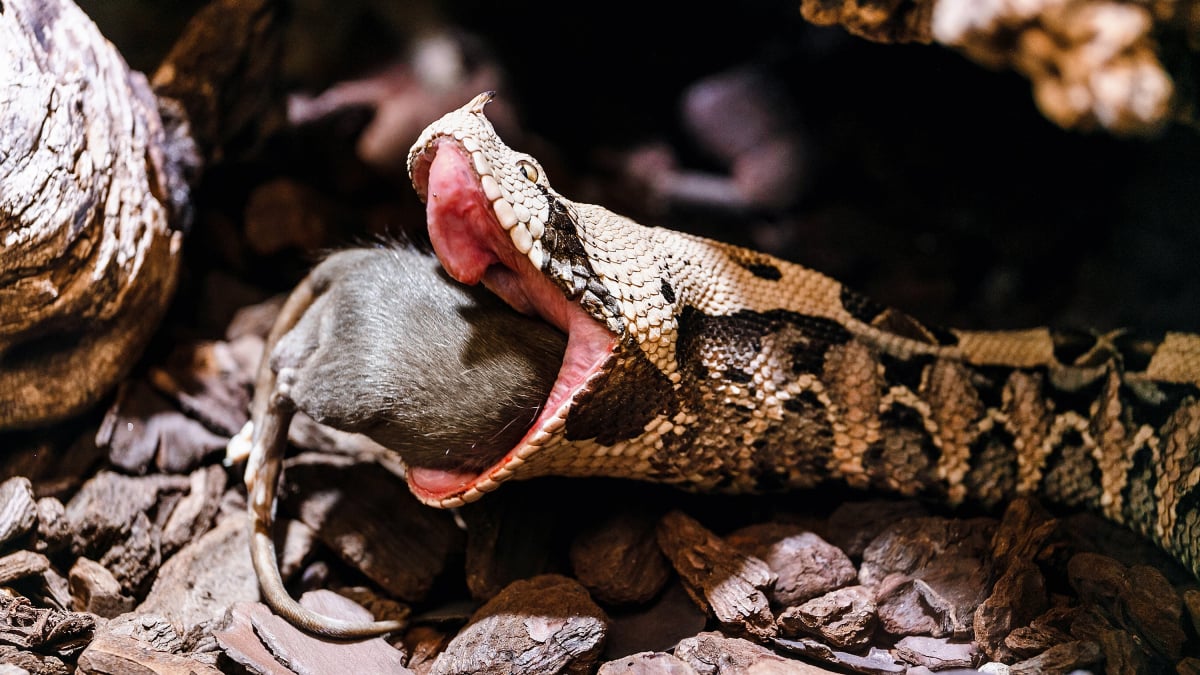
96, 169
88, 248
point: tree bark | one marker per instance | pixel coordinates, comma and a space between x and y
89, 251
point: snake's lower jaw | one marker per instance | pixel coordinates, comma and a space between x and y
474, 248
586, 357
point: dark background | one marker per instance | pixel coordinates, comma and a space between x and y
936, 185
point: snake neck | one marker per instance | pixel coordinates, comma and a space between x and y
714, 367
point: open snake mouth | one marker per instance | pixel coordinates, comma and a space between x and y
473, 247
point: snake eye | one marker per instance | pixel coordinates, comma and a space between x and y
528, 170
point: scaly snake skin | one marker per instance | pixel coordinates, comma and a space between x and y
734, 370
713, 367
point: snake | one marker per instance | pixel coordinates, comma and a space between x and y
713, 367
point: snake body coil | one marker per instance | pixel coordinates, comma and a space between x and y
732, 370
713, 367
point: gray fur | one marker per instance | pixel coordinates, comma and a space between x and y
445, 375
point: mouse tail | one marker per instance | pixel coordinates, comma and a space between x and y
266, 434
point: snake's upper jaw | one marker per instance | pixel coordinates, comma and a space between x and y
473, 247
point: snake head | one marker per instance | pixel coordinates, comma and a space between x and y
489, 204
494, 219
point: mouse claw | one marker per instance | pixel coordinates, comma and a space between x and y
238, 448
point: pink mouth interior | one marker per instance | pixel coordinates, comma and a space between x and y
473, 247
